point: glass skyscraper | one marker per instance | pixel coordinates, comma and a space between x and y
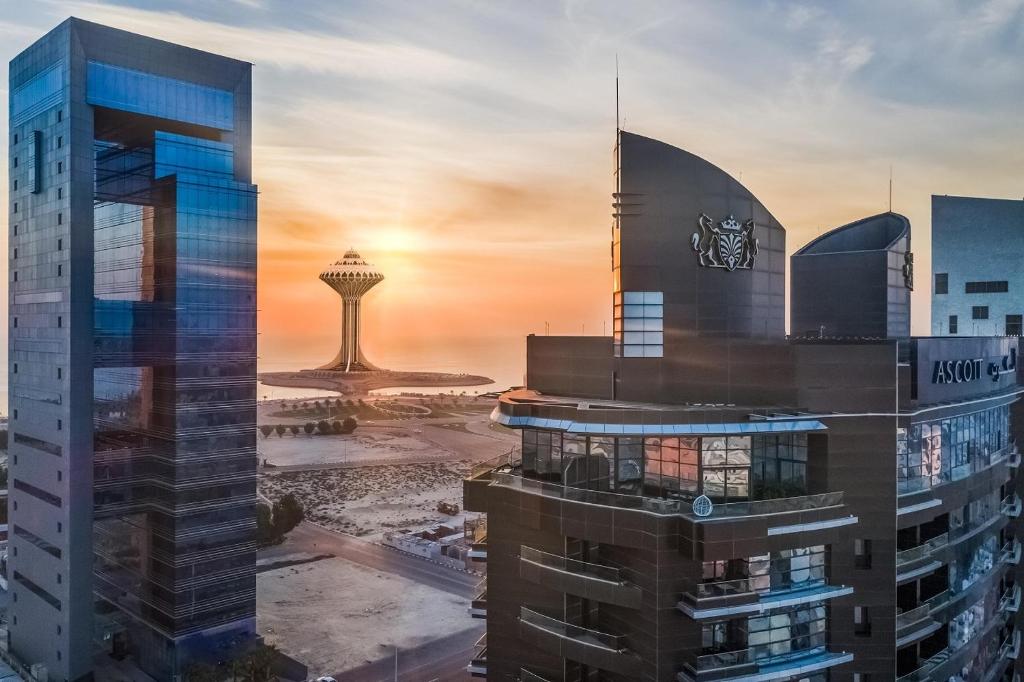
132, 352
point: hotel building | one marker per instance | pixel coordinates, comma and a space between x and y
699, 497
132, 353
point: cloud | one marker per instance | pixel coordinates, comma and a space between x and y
307, 50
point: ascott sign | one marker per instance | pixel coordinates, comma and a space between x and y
964, 371
956, 371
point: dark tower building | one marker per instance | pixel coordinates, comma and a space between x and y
132, 352
698, 498
855, 281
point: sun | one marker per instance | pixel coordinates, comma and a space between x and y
395, 240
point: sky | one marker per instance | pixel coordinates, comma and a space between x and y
465, 148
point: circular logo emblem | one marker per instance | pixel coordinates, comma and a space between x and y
702, 506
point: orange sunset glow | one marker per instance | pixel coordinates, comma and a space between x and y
468, 154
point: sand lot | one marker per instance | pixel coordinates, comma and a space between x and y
369, 500
333, 614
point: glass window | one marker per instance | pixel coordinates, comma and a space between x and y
725, 468
670, 466
124, 89
638, 324
779, 466
950, 449
941, 283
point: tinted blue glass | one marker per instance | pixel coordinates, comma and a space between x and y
175, 336
38, 94
144, 93
177, 153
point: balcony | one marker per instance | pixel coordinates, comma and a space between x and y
948, 662
763, 663
478, 605
1010, 601
754, 595
478, 664
1011, 506
478, 541
918, 561
1010, 647
601, 583
1013, 457
590, 647
1010, 554
916, 624
474, 486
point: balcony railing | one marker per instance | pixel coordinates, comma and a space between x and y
908, 618
933, 664
478, 664
909, 556
1010, 647
478, 605
569, 631
1010, 553
667, 507
598, 571
527, 676
1010, 601
767, 654
1011, 506
506, 460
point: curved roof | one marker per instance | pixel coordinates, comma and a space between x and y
680, 156
875, 233
351, 266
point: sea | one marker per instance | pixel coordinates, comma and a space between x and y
503, 360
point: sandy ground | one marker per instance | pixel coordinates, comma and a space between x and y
388, 476
333, 614
367, 501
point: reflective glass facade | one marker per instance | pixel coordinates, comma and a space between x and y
174, 402
934, 452
725, 468
133, 354
174, 99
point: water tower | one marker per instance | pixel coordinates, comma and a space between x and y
351, 277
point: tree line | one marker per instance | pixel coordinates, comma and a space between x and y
322, 427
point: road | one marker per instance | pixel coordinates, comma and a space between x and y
307, 537
442, 659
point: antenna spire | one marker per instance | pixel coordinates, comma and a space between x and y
890, 188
